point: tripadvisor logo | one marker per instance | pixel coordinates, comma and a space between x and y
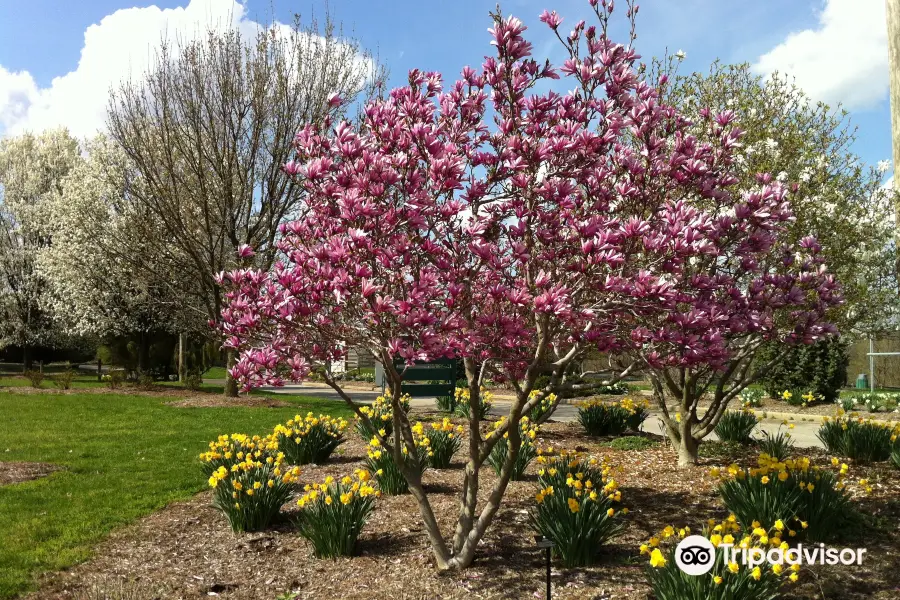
696, 555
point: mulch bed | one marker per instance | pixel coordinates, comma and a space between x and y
219, 401
17, 472
187, 550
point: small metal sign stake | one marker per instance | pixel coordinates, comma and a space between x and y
543, 542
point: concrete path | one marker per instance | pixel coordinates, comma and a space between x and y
803, 433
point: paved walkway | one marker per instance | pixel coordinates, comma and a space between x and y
803, 434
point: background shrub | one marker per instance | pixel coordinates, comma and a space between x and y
193, 380
820, 368
578, 508
35, 378
114, 379
63, 380
145, 382
599, 418
736, 426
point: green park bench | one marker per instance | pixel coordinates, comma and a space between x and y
428, 379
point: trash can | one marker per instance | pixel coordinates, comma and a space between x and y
862, 381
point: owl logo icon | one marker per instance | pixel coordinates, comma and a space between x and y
695, 555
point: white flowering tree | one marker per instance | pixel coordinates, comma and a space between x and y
209, 128
98, 238
32, 169
840, 200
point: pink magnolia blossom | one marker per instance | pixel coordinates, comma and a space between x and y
521, 230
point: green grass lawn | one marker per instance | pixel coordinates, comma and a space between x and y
214, 373
79, 382
124, 457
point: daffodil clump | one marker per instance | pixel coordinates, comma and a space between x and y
230, 450
463, 398
577, 506
602, 418
441, 440
381, 414
527, 449
813, 501
334, 512
638, 412
251, 492
799, 397
736, 426
544, 407
778, 445
310, 439
728, 579
387, 473
863, 440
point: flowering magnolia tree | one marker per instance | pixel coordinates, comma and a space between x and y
513, 229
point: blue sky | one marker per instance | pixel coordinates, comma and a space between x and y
836, 48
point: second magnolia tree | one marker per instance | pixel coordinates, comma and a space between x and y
520, 231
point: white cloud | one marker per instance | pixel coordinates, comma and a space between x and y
844, 59
121, 46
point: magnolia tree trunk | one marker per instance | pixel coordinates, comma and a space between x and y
231, 387
473, 519
687, 428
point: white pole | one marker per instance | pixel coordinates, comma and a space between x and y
872, 364
892, 12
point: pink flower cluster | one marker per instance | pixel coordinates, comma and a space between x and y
485, 219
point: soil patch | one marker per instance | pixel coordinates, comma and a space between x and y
219, 401
17, 472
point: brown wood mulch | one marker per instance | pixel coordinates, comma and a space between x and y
17, 472
187, 551
219, 401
